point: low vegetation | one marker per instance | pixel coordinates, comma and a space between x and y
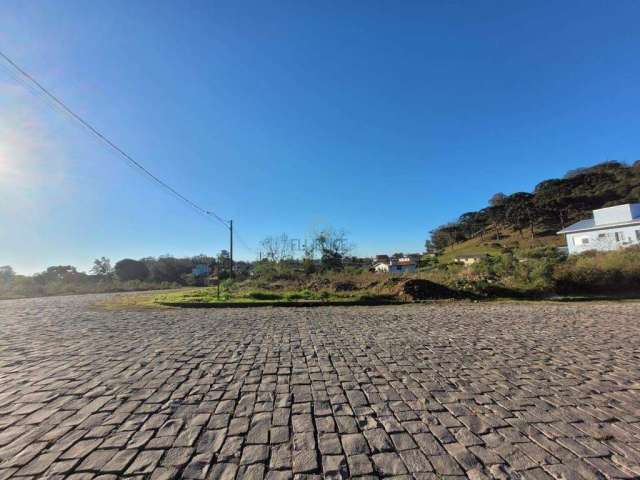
536, 216
164, 272
542, 272
539, 273
516, 232
600, 273
238, 296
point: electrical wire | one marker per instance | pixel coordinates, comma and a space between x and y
37, 88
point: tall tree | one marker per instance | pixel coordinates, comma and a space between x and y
102, 267
497, 199
332, 245
496, 216
520, 211
129, 269
6, 274
59, 273
553, 199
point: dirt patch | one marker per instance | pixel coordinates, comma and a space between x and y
419, 289
345, 286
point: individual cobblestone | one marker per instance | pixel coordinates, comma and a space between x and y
462, 390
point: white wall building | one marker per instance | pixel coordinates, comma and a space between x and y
397, 265
610, 229
470, 259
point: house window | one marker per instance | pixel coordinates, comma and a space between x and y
585, 240
619, 236
638, 235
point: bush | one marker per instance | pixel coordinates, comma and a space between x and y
345, 286
600, 272
420, 289
258, 295
129, 269
301, 295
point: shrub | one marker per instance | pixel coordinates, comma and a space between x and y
258, 295
600, 272
301, 295
345, 286
129, 269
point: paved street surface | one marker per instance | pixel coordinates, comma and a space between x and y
426, 392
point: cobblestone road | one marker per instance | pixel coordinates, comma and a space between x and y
425, 392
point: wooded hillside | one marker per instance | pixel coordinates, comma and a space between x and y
552, 205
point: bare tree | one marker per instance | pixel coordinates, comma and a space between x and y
277, 248
333, 246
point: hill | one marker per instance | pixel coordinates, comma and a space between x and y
510, 240
530, 219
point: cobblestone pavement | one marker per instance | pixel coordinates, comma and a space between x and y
426, 392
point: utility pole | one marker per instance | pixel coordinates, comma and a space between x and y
231, 247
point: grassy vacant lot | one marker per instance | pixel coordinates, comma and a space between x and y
538, 273
534, 273
209, 297
333, 288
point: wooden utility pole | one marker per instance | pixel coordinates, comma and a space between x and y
231, 247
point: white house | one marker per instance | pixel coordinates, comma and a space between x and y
470, 259
397, 265
610, 228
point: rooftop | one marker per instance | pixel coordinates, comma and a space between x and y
404, 261
590, 224
610, 217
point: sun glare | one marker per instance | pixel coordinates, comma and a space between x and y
18, 151
8, 168
4, 163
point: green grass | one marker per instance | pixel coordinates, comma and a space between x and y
469, 247
491, 246
209, 297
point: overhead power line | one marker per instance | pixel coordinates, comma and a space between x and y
37, 88
244, 244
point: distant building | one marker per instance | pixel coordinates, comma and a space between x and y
610, 228
382, 259
416, 257
396, 265
470, 259
200, 270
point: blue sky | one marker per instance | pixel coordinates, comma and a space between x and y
382, 118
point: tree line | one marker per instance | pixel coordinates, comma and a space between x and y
126, 274
553, 205
327, 250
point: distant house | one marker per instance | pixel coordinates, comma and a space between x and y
416, 257
610, 228
396, 265
470, 259
382, 259
200, 270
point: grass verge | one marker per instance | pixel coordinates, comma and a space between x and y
208, 298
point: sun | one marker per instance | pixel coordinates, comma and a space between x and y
8, 168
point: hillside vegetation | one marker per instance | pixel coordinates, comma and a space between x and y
509, 241
531, 219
